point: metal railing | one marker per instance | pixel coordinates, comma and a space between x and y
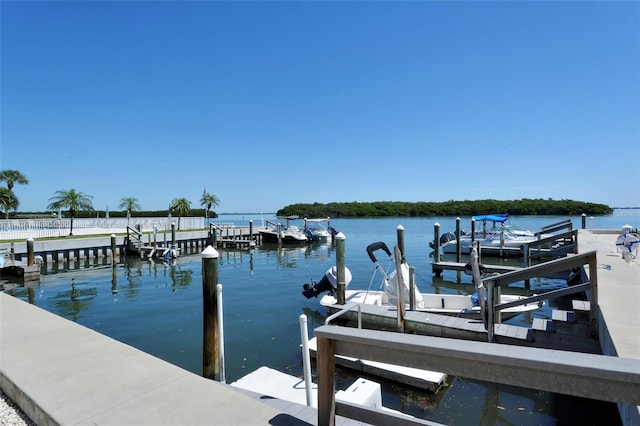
16, 229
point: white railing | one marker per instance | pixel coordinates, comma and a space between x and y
16, 229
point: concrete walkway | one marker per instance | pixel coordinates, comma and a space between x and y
61, 373
618, 294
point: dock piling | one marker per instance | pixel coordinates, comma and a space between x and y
400, 236
340, 264
436, 239
210, 355
113, 249
30, 251
458, 235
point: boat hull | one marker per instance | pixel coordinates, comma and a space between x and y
441, 304
284, 238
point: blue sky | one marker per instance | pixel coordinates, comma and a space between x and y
267, 104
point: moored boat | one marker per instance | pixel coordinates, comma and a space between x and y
283, 234
496, 233
465, 306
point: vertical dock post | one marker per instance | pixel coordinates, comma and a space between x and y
326, 368
340, 265
490, 311
173, 233
210, 358
436, 239
400, 236
30, 256
250, 231
584, 221
113, 249
458, 242
412, 288
306, 360
220, 317
473, 231
400, 288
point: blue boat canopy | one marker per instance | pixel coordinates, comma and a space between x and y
500, 217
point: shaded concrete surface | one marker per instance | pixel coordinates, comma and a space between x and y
59, 372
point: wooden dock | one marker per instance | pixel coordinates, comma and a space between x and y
21, 270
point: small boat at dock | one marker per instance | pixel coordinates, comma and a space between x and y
316, 232
283, 234
464, 306
495, 234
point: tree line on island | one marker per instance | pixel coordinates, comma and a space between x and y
79, 204
523, 207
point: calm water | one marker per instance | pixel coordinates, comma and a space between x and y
157, 308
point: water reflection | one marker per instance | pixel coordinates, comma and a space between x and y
70, 302
136, 269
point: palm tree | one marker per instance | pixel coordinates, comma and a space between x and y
72, 199
8, 201
181, 206
130, 204
208, 200
12, 177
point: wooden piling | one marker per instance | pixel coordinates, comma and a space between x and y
30, 251
113, 249
210, 355
458, 242
436, 239
340, 265
400, 237
326, 368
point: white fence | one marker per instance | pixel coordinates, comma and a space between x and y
17, 229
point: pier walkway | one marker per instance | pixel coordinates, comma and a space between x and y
618, 294
61, 373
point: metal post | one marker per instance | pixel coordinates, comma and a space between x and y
306, 359
210, 358
222, 377
340, 265
30, 256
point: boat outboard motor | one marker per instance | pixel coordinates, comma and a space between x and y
468, 269
328, 283
445, 238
